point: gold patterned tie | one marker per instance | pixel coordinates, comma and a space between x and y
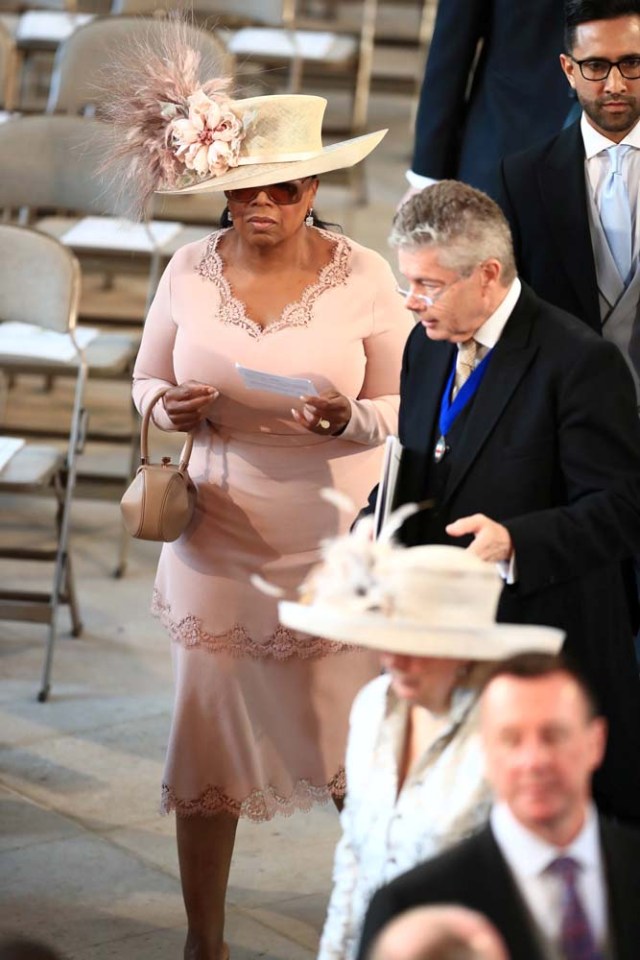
465, 362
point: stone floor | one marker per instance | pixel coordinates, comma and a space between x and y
86, 862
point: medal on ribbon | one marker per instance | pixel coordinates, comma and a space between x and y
450, 409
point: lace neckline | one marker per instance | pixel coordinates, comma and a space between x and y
295, 314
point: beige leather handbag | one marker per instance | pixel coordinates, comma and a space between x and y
160, 500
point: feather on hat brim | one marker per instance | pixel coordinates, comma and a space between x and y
336, 156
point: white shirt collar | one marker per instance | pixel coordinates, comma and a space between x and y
489, 333
528, 855
595, 142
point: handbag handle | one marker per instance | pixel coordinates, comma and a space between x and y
144, 434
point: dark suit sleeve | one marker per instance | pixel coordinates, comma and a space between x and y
598, 451
508, 208
458, 28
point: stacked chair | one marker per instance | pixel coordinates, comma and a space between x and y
44, 468
48, 164
37, 27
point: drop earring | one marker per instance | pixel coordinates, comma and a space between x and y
309, 218
229, 217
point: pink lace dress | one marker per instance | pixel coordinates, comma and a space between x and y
261, 713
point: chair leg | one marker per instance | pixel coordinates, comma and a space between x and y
58, 579
72, 599
134, 460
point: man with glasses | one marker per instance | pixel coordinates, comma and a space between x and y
573, 201
519, 424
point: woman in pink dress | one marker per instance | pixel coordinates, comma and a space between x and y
261, 712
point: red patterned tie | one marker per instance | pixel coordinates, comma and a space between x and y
576, 938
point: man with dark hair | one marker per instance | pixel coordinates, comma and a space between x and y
573, 202
535, 665
554, 879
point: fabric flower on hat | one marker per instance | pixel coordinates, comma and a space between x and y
170, 125
208, 139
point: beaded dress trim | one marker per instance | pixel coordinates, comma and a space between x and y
296, 314
260, 805
280, 645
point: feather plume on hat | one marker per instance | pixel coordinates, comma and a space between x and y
171, 127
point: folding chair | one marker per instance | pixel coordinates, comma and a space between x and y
403, 34
47, 164
8, 69
75, 86
50, 304
37, 28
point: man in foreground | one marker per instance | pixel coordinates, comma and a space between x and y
554, 879
520, 425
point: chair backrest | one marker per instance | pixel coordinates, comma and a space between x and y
19, 6
8, 67
53, 163
39, 279
228, 12
77, 83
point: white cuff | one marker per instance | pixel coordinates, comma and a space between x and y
418, 181
508, 570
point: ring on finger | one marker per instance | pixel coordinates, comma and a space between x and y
324, 424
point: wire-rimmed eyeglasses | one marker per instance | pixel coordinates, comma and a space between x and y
429, 299
596, 69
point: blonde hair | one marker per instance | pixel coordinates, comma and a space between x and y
464, 224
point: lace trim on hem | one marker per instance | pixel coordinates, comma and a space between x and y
296, 314
260, 805
280, 645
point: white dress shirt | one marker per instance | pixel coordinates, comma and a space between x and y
528, 857
443, 799
418, 181
597, 165
490, 332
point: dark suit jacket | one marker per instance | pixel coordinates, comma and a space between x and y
518, 95
475, 874
550, 449
544, 196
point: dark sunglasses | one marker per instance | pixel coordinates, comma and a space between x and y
281, 193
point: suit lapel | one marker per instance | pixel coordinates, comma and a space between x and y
509, 362
563, 194
501, 901
431, 364
621, 874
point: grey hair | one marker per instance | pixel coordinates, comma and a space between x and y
465, 225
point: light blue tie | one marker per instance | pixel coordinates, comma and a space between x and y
615, 212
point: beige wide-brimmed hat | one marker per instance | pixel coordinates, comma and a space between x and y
429, 601
177, 130
282, 140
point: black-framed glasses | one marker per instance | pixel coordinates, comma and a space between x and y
595, 69
288, 192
